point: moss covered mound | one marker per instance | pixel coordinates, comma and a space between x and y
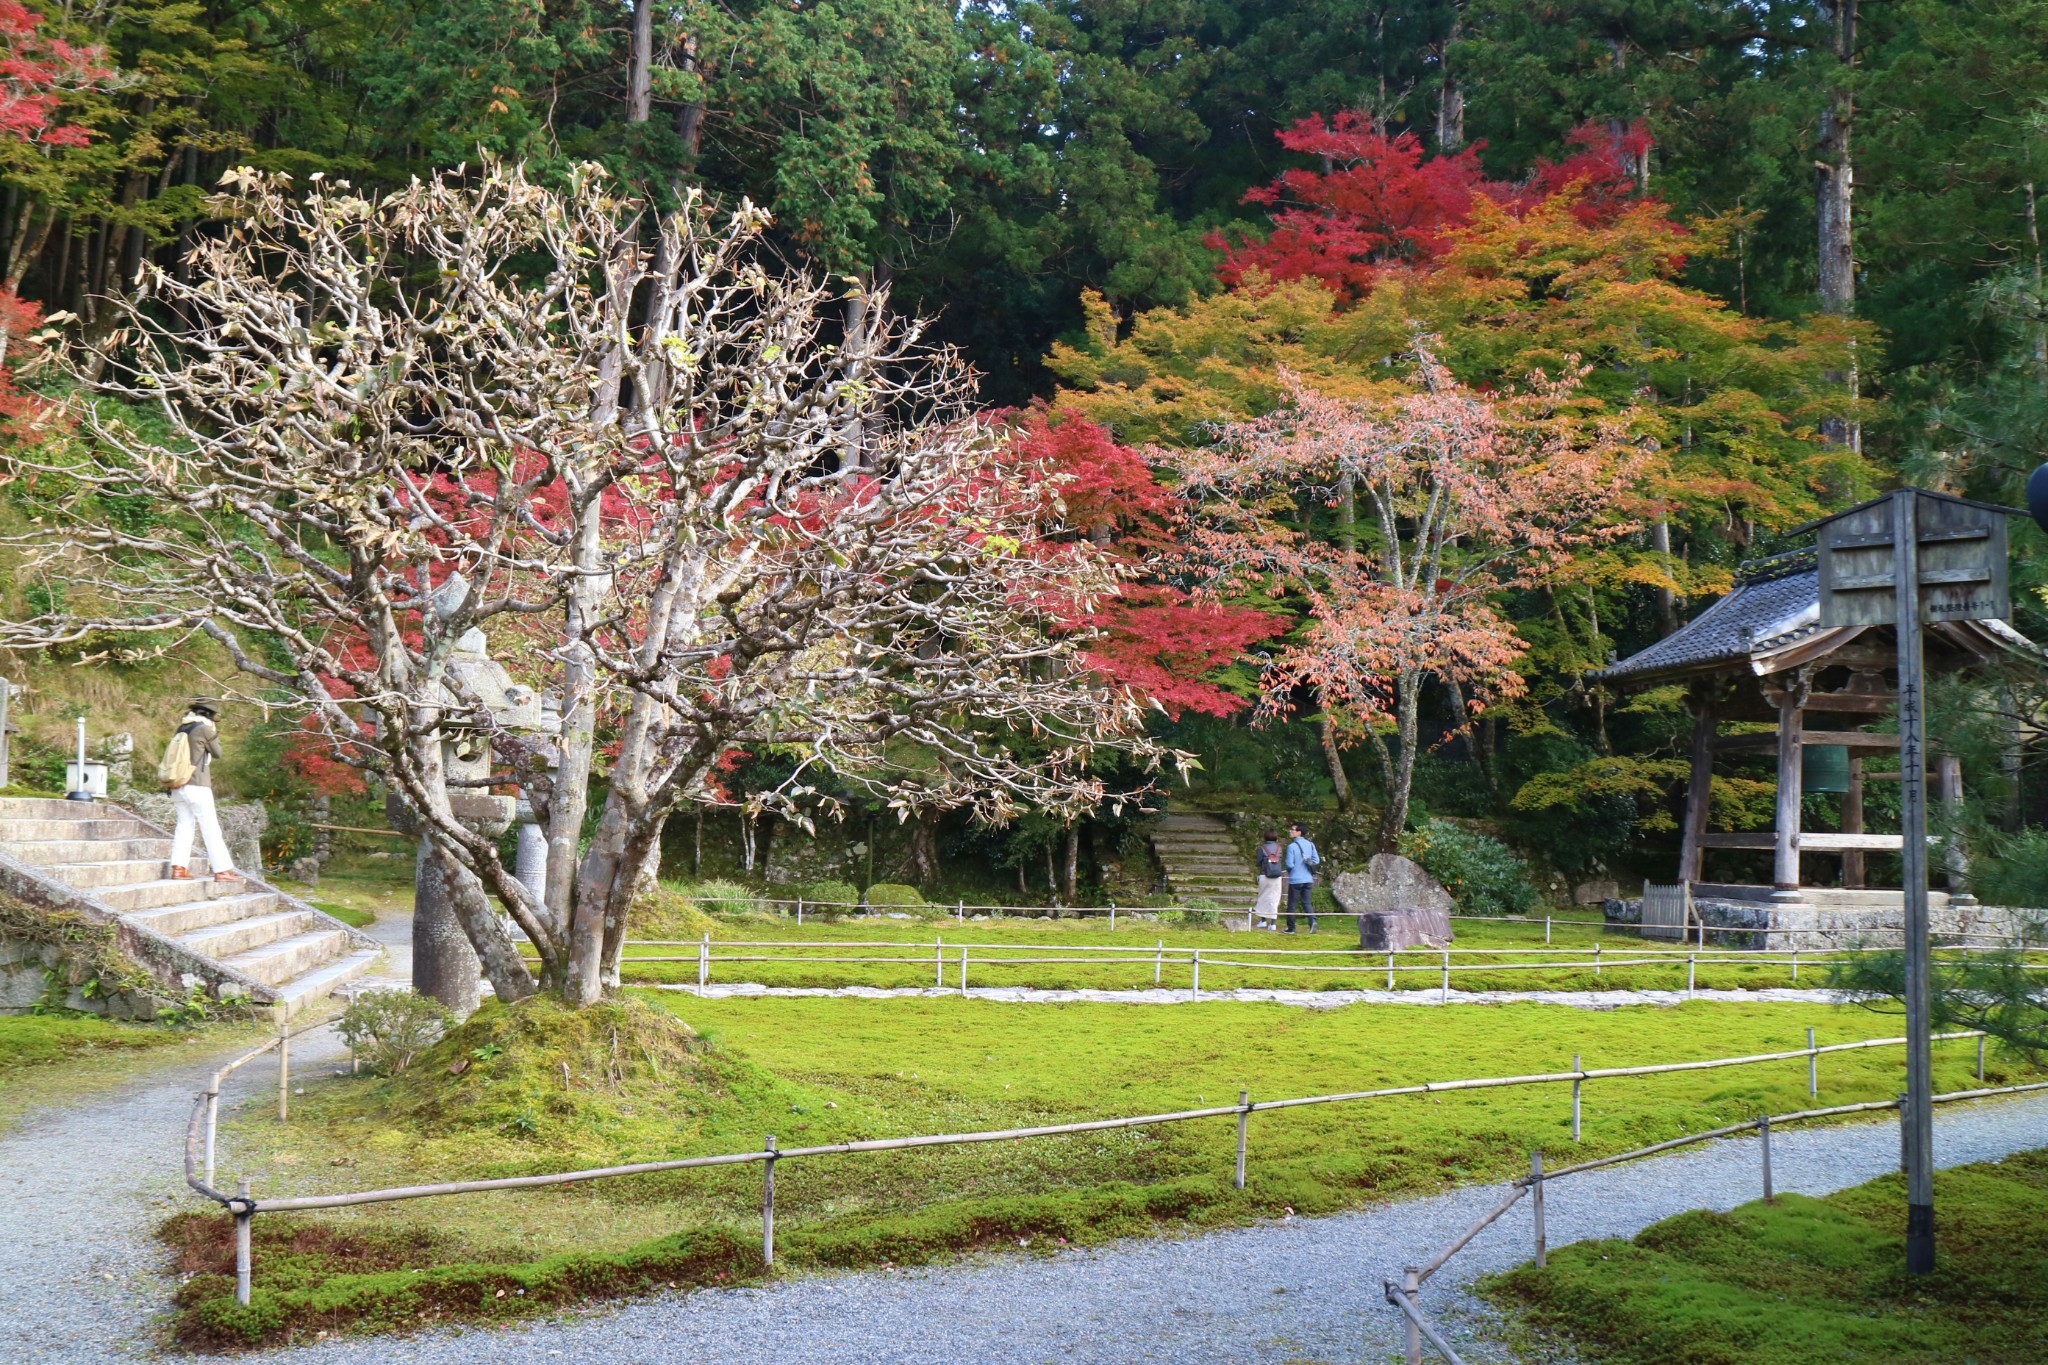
1806, 1281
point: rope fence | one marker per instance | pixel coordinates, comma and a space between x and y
954, 959
1404, 1296
244, 1205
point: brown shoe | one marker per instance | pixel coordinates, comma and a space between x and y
229, 876
179, 874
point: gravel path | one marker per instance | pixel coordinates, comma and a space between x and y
1303, 1289
1323, 1000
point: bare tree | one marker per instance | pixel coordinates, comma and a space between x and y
477, 401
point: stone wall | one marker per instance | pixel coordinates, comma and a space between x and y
1816, 928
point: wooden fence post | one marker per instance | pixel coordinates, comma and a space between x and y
1812, 1067
284, 1069
703, 964
1244, 1114
1980, 1059
1536, 1198
1112, 917
938, 961
1195, 981
1577, 1077
212, 1117
1795, 966
1159, 962
768, 1205
963, 969
1691, 973
242, 1219
960, 910
1546, 927
1446, 996
1596, 957
1763, 1128
1411, 1285
799, 911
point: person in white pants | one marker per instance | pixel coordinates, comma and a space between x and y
194, 801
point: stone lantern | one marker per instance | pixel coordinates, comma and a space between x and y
444, 965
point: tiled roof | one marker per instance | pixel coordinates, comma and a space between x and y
1759, 611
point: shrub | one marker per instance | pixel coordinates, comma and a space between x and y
835, 895
1482, 874
896, 896
720, 898
387, 1029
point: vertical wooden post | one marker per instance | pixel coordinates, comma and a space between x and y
1980, 1059
284, 1069
1244, 1114
1195, 980
938, 961
1919, 1117
960, 911
1763, 1128
1785, 861
1112, 917
1576, 1080
1691, 971
1812, 1067
799, 912
1411, 1285
1596, 957
703, 964
212, 1118
1159, 962
1852, 823
1546, 926
963, 969
243, 1215
1536, 1203
768, 1205
1390, 971
1698, 790
1446, 997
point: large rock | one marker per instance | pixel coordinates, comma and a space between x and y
1397, 903
1391, 882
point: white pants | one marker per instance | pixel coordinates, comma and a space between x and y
195, 807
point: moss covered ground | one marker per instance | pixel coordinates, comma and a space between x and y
49, 1058
533, 1089
1066, 955
1811, 1281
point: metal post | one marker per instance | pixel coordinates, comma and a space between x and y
768, 1205
1446, 999
960, 910
1763, 1128
1536, 1202
1244, 1114
243, 1215
1112, 917
1390, 971
1195, 982
1918, 1120
212, 1116
1980, 1059
703, 964
1411, 1285
1795, 966
1812, 1067
1691, 972
963, 969
938, 961
799, 911
284, 1072
1159, 962
1577, 1077
1546, 928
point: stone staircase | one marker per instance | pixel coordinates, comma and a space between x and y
1202, 862
244, 939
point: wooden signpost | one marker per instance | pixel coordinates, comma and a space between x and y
1905, 559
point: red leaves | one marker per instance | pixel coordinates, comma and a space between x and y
1383, 205
35, 70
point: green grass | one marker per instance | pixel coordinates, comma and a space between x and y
53, 1058
492, 1101
28, 1040
1809, 1281
348, 914
1328, 960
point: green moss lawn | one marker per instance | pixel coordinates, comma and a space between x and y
493, 1100
1811, 1281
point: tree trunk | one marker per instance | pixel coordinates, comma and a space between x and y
578, 745
1334, 757
445, 966
1406, 709
924, 848
1072, 871
493, 950
1667, 601
640, 64
1834, 192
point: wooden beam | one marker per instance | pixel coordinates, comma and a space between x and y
1852, 823
1810, 841
1848, 739
1861, 703
1785, 863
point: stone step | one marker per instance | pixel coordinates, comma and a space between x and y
124, 872
1209, 864
1191, 821
52, 808
221, 941
276, 963
166, 891
15, 831
311, 987
183, 918
43, 852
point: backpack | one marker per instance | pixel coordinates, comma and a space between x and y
176, 767
1269, 863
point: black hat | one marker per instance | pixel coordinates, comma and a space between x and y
205, 706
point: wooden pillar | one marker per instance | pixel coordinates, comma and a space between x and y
1955, 863
1698, 789
1852, 823
1785, 868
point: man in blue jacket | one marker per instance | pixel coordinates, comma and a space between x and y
1302, 862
